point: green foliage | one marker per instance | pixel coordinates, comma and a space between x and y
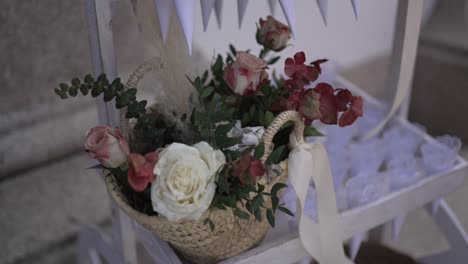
311, 132
152, 127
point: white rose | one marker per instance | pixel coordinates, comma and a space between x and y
185, 180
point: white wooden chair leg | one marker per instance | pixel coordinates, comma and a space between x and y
455, 234
123, 236
93, 244
99, 20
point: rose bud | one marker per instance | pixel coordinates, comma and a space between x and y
140, 170
273, 34
107, 145
247, 167
246, 74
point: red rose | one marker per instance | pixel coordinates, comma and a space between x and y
107, 145
273, 34
247, 167
140, 171
246, 74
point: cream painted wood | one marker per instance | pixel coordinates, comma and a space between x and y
455, 235
99, 19
104, 54
93, 244
407, 27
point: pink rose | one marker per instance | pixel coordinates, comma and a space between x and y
246, 74
140, 170
107, 145
273, 34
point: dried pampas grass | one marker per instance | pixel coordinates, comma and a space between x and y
167, 82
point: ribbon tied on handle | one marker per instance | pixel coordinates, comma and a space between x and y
306, 162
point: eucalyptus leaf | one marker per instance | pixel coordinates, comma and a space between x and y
75, 81
89, 79
64, 87
73, 91
84, 89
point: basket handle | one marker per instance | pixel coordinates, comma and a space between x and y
132, 82
270, 132
276, 125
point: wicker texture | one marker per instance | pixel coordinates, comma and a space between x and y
194, 240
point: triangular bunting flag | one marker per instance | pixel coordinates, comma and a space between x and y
163, 9
241, 8
397, 223
289, 11
206, 7
355, 244
323, 7
272, 5
355, 4
218, 11
185, 9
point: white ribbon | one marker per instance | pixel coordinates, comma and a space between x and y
322, 240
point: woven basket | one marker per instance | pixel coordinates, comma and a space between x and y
194, 240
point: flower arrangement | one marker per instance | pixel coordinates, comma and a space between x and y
179, 174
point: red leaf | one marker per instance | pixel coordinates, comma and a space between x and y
312, 73
294, 85
344, 97
293, 101
317, 63
289, 67
140, 171
328, 108
309, 106
354, 111
296, 69
324, 88
300, 57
